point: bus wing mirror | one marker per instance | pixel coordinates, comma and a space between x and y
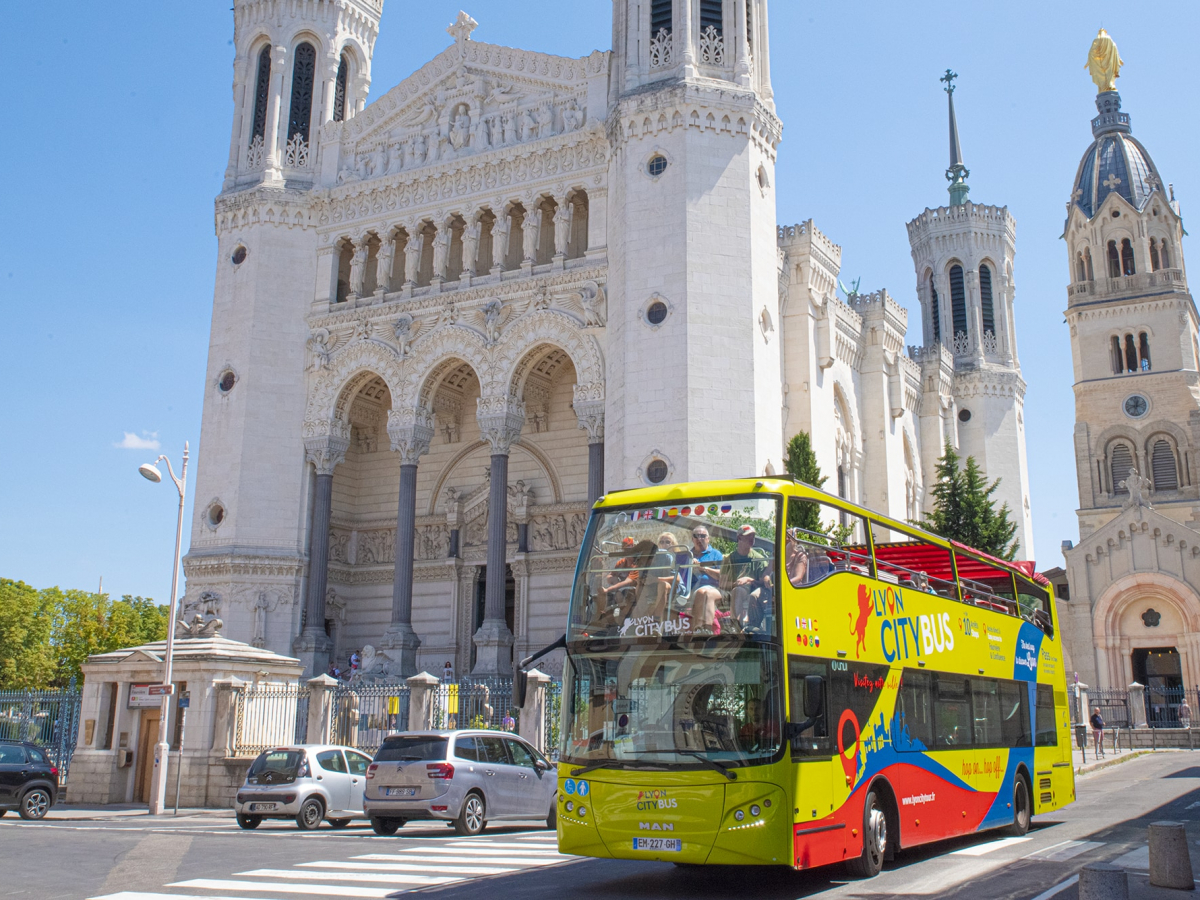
814, 696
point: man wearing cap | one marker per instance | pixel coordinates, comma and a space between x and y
746, 580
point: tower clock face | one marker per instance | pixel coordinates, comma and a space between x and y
1136, 406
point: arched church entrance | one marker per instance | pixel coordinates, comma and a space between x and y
1160, 669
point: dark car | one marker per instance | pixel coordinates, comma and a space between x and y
28, 780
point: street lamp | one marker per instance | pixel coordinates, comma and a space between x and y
158, 781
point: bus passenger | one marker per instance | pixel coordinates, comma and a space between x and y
704, 573
746, 580
757, 732
805, 564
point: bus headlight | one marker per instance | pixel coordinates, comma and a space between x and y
570, 805
739, 815
583, 810
754, 810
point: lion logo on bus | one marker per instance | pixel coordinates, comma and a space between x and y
859, 628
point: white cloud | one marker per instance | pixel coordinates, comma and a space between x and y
148, 441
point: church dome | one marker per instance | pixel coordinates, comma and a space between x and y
1115, 161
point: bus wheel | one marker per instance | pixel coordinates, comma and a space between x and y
875, 838
1021, 807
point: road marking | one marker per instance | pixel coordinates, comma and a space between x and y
482, 850
513, 844
1138, 858
320, 890
148, 895
1192, 805
414, 866
1065, 850
981, 849
1057, 889
467, 860
384, 877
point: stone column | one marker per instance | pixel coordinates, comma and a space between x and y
589, 408
742, 68
685, 44
229, 692
1137, 705
329, 87
279, 57
411, 430
532, 720
383, 274
241, 67
312, 646
420, 701
500, 421
320, 709
358, 267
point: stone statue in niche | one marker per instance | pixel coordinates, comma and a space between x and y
544, 116
529, 126
319, 347
510, 128
441, 251
572, 116
460, 129
1137, 486
395, 158
591, 299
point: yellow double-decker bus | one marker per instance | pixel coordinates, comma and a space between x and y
761, 673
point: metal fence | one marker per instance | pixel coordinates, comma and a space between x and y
474, 702
1164, 705
268, 715
1113, 704
364, 714
49, 719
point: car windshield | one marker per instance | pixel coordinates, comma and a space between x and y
694, 568
715, 702
405, 748
285, 763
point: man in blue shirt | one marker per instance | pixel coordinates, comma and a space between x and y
706, 560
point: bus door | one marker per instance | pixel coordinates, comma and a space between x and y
813, 764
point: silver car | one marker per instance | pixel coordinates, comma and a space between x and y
305, 782
465, 778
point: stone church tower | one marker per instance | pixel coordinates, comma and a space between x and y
1134, 607
694, 269
963, 254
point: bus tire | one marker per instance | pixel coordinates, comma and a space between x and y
875, 840
1022, 806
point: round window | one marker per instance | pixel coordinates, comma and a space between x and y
1116, 214
1136, 406
964, 415
226, 381
657, 165
656, 313
656, 472
239, 255
215, 515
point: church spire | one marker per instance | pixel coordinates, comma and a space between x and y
957, 174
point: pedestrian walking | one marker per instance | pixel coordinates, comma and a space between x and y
1098, 731
1185, 714
509, 722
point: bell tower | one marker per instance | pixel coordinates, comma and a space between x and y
963, 254
295, 70
694, 382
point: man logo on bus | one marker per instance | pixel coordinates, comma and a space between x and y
859, 628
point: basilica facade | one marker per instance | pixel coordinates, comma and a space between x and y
446, 321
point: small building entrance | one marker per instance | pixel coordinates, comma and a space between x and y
1160, 670
147, 738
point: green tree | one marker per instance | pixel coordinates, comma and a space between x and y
801, 463
26, 657
963, 508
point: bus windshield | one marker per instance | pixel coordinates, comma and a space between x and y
698, 568
713, 703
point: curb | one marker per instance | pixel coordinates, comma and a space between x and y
1116, 761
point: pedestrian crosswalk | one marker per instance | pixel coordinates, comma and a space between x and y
414, 864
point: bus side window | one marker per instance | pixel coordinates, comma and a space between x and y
952, 712
1014, 714
912, 562
985, 702
1035, 606
914, 712
1045, 727
822, 540
813, 741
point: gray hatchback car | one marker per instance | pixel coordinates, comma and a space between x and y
465, 778
305, 782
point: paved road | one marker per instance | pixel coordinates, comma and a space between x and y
196, 857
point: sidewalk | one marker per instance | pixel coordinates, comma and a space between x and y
87, 812
1110, 758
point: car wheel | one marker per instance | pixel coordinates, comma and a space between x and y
875, 838
249, 822
312, 811
552, 818
339, 823
1021, 807
35, 804
471, 819
386, 826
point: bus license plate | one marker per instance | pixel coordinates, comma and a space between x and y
262, 807
658, 844
402, 792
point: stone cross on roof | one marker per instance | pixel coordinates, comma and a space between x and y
1111, 181
949, 79
462, 28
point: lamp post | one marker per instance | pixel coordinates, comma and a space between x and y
158, 781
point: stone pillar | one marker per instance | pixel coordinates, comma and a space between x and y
329, 87
241, 67
500, 421
410, 430
589, 409
420, 701
229, 694
1137, 705
686, 44
531, 721
320, 709
742, 68
358, 268
279, 57
383, 274
313, 645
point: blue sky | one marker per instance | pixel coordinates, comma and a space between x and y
119, 132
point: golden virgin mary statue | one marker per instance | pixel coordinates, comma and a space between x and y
1104, 63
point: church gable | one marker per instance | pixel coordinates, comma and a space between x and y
472, 98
